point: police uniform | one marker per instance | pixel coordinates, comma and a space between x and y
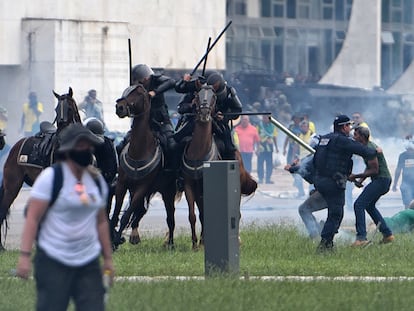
227, 101
333, 165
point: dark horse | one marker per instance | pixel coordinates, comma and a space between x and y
202, 147
26, 160
141, 169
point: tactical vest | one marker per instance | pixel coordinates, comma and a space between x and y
330, 159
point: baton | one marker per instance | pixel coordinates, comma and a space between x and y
205, 60
291, 135
130, 61
211, 47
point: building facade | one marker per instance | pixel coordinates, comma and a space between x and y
302, 38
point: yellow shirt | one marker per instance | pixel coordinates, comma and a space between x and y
306, 138
30, 118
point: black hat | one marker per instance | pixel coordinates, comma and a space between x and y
73, 133
342, 120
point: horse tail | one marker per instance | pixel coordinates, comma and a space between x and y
247, 184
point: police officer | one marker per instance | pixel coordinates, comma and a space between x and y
156, 85
333, 165
227, 101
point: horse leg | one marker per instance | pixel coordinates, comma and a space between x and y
137, 215
191, 214
9, 190
200, 205
120, 192
168, 199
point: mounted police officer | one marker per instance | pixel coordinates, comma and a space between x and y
333, 165
156, 85
227, 101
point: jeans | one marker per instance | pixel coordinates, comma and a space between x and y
366, 201
315, 202
407, 192
247, 160
335, 199
56, 283
264, 159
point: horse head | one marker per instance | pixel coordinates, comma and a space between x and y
205, 103
135, 101
66, 110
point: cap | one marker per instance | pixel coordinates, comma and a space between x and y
342, 120
73, 133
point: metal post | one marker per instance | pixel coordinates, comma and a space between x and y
221, 182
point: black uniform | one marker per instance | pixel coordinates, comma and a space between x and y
227, 101
333, 165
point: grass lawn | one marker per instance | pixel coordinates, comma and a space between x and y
278, 250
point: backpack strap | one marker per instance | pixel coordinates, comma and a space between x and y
57, 182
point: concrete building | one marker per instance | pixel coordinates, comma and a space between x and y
364, 43
51, 45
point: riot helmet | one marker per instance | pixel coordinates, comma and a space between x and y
95, 126
216, 80
141, 72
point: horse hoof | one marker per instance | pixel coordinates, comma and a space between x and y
2, 249
169, 246
134, 240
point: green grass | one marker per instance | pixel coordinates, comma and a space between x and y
270, 251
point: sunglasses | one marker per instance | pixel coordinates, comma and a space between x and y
80, 191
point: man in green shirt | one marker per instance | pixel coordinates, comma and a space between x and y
377, 169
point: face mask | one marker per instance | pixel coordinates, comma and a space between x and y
81, 157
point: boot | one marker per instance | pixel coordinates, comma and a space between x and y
325, 246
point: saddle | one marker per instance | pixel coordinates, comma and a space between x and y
37, 151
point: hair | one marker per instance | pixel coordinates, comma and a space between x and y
363, 131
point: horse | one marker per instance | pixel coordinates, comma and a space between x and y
141, 170
203, 147
26, 160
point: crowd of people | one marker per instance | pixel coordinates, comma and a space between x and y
332, 169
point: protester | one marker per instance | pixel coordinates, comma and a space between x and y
92, 107
30, 122
377, 169
268, 144
333, 166
72, 233
248, 140
405, 166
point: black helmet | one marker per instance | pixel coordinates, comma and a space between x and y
95, 126
140, 72
215, 77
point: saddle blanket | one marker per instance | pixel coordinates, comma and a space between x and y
31, 155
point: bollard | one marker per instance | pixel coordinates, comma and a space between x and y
221, 191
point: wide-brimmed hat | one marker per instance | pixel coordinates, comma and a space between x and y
73, 133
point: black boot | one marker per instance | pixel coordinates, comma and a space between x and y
325, 246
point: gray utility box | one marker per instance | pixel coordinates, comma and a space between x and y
221, 182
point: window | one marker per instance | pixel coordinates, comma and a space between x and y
387, 37
266, 11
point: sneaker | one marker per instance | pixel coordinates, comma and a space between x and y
361, 243
388, 239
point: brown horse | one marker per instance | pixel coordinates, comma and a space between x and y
202, 147
141, 169
19, 166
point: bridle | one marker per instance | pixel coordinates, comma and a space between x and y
130, 104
